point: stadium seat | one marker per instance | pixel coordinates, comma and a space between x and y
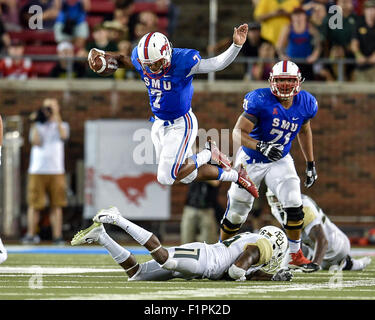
102, 6
45, 49
149, 6
42, 68
32, 36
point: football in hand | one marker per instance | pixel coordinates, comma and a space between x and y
103, 65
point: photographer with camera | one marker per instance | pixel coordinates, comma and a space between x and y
46, 173
71, 24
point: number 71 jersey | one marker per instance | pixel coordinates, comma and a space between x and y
273, 123
171, 95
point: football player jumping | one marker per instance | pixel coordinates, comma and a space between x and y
246, 256
168, 73
272, 118
323, 242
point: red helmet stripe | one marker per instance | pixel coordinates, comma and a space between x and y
285, 66
145, 49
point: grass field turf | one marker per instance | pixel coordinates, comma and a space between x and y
98, 277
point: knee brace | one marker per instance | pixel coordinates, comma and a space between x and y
294, 218
190, 177
235, 216
229, 227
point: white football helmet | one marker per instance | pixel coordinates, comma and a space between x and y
280, 72
279, 243
153, 47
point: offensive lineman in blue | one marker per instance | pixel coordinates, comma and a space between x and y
272, 118
168, 73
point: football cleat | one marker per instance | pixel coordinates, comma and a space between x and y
245, 182
300, 262
365, 261
110, 215
216, 155
357, 264
88, 235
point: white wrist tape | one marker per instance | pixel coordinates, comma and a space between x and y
236, 272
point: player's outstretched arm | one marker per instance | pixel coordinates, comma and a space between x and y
321, 243
246, 259
224, 59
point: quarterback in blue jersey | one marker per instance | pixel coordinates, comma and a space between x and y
272, 118
168, 74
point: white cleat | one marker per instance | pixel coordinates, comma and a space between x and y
110, 215
88, 235
364, 262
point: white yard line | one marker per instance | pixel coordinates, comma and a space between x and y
53, 270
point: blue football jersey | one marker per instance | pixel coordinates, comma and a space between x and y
275, 123
171, 95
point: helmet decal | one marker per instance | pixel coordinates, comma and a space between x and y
279, 243
285, 66
164, 47
145, 49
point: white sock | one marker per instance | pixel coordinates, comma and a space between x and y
136, 232
294, 245
231, 175
118, 253
202, 157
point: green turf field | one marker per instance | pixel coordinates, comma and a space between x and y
91, 276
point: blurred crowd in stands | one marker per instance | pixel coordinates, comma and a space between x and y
317, 34
70, 28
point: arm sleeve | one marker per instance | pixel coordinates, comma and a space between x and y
250, 117
217, 63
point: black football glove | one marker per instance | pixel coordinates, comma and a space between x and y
311, 174
273, 151
282, 275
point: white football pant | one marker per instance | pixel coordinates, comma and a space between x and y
173, 142
279, 176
